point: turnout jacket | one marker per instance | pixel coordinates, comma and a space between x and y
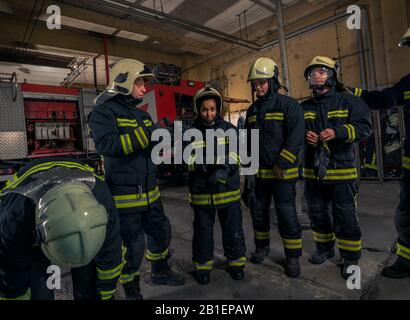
17, 233
122, 135
398, 95
281, 134
225, 191
350, 118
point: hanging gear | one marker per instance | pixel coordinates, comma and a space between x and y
71, 225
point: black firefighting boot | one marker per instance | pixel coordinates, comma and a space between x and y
236, 273
132, 289
346, 264
161, 274
259, 255
292, 267
398, 270
320, 256
203, 276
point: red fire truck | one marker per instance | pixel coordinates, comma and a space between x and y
41, 121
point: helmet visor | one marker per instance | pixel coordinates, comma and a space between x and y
319, 75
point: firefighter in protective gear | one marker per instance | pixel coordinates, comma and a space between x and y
398, 95
335, 121
122, 134
75, 227
215, 188
281, 140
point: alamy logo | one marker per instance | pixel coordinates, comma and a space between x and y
354, 282
54, 20
54, 281
189, 144
354, 21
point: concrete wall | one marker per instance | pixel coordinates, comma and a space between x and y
388, 20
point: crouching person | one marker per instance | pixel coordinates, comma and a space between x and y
55, 211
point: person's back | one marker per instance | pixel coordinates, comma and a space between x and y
34, 214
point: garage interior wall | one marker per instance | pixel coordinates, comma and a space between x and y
388, 20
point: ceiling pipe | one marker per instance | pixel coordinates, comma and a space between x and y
282, 45
298, 33
157, 16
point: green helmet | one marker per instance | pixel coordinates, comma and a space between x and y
71, 225
124, 73
264, 68
405, 41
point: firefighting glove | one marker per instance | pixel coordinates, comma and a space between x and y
249, 193
219, 176
321, 160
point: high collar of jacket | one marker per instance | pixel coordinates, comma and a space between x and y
127, 101
326, 97
267, 97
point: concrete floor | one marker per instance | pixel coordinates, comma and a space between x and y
267, 281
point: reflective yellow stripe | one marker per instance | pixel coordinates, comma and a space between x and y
105, 295
351, 132
403, 251
227, 197
335, 174
204, 266
46, 166
218, 198
292, 243
406, 95
125, 278
338, 114
136, 200
235, 157
349, 245
191, 162
358, 92
156, 256
274, 116
144, 136
148, 123
373, 164
288, 156
406, 163
262, 235
26, 296
238, 263
198, 144
222, 140
127, 123
110, 273
140, 141
309, 115
126, 143
292, 173
252, 119
323, 237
